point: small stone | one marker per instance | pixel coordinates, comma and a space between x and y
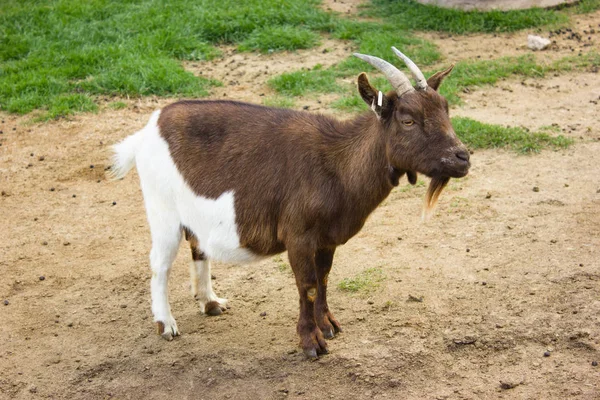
546, 354
41, 158
6, 302
468, 250
537, 42
32, 389
52, 189
488, 195
42, 278
66, 243
74, 195
263, 314
594, 363
123, 306
114, 203
370, 302
536, 189
44, 243
91, 166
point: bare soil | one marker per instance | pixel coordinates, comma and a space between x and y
507, 270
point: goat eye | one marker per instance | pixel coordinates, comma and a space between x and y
408, 122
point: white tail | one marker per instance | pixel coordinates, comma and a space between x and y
125, 151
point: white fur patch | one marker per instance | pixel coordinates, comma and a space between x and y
168, 196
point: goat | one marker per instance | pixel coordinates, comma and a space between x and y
243, 181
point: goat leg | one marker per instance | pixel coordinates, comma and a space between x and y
325, 320
302, 260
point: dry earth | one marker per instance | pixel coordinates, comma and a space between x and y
506, 273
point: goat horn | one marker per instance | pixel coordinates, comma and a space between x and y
399, 81
415, 71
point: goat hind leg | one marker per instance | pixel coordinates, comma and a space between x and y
166, 235
201, 282
210, 303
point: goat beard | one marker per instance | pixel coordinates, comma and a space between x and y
436, 186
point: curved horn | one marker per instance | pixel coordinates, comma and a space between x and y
399, 81
416, 72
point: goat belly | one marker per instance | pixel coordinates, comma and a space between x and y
168, 197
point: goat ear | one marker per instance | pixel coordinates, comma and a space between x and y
436, 79
412, 177
374, 98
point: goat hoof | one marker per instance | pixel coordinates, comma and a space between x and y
328, 333
311, 354
213, 308
167, 331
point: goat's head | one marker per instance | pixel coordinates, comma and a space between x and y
419, 134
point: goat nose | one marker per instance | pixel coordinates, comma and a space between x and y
463, 155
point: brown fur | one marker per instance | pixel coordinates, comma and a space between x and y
306, 182
197, 254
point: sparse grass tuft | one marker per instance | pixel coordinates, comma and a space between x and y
117, 105
365, 282
478, 135
279, 101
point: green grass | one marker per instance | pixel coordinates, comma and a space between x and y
117, 105
377, 43
478, 135
279, 38
411, 15
279, 101
57, 56
586, 6
367, 281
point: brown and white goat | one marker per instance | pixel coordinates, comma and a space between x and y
243, 181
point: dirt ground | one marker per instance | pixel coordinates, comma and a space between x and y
508, 268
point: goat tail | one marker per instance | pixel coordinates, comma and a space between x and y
124, 152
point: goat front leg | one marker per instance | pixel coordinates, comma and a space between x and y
302, 260
325, 320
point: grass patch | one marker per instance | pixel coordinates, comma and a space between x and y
478, 135
53, 52
411, 15
367, 281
